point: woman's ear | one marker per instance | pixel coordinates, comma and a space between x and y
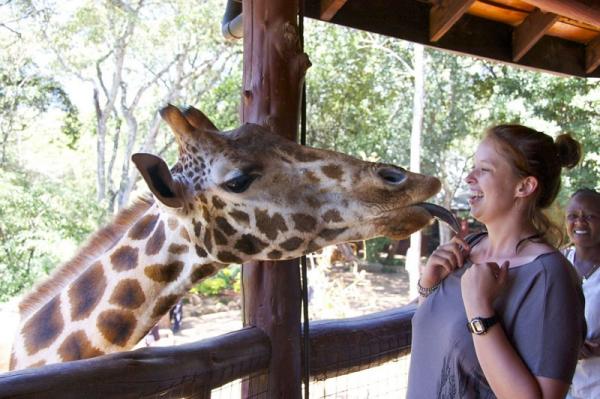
527, 186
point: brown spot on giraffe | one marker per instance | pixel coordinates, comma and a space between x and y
333, 171
303, 222
291, 244
218, 202
206, 215
178, 249
200, 251
197, 228
172, 223
240, 217
311, 176
312, 247
332, 215
330, 234
270, 226
43, 327
128, 294
202, 198
208, 240
202, 271
250, 244
157, 240
184, 233
163, 304
164, 273
86, 291
228, 257
116, 325
37, 364
77, 346
274, 254
143, 227
224, 225
312, 201
124, 258
220, 238
13, 362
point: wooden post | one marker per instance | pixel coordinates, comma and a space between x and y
274, 69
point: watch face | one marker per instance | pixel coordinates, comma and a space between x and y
477, 326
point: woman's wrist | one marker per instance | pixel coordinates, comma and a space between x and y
425, 291
479, 309
428, 282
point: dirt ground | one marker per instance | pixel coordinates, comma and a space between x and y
334, 292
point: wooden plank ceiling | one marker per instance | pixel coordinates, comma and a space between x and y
558, 36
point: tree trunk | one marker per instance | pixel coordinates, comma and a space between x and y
274, 68
413, 256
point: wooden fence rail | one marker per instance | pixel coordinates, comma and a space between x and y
193, 370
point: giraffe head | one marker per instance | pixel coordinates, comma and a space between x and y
249, 194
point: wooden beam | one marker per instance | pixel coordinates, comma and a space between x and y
189, 370
531, 31
471, 35
444, 15
274, 70
592, 55
342, 346
587, 11
330, 7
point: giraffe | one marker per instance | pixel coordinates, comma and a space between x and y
231, 197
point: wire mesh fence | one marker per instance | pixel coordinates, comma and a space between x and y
388, 380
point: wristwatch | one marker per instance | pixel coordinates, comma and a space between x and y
481, 325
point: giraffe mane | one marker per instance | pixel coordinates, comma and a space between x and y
97, 244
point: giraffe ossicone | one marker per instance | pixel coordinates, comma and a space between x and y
231, 197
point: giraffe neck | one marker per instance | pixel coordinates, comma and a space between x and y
111, 301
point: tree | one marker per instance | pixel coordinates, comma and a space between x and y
137, 55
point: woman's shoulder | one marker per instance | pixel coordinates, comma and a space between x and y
556, 266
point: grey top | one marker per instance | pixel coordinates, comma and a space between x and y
540, 310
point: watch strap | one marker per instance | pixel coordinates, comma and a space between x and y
481, 325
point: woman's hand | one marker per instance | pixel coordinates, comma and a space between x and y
481, 285
444, 260
590, 349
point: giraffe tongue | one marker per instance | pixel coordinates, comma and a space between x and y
442, 214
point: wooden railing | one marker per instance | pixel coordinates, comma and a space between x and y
192, 370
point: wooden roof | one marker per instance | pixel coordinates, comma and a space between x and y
559, 36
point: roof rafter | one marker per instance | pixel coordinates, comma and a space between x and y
330, 7
531, 30
444, 15
592, 55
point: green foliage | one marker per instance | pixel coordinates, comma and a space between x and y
227, 279
25, 93
42, 221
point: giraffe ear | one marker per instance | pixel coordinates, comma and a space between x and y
158, 177
197, 119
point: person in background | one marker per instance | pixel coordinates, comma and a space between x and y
501, 312
583, 227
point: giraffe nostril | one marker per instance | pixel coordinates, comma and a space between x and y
391, 175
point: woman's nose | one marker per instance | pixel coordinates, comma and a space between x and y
469, 179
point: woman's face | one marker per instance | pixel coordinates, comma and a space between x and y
583, 220
493, 183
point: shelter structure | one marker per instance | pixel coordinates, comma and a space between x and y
558, 36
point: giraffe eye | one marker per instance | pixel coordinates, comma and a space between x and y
240, 183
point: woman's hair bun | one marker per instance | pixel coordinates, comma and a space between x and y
568, 149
